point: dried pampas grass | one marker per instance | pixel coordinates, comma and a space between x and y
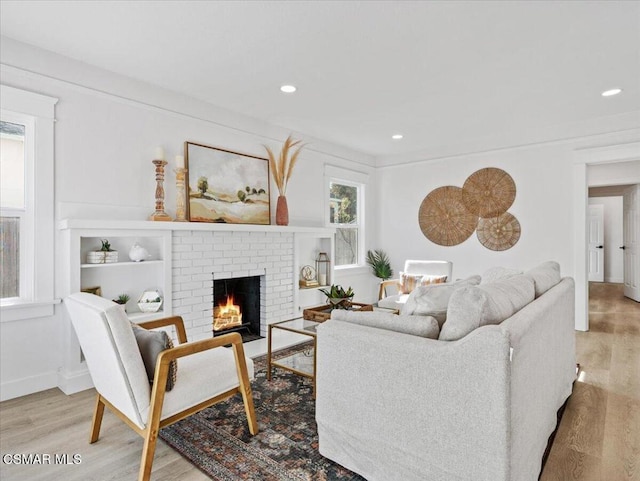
282, 168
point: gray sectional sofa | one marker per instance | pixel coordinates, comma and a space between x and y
409, 406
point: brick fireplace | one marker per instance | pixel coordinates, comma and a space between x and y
200, 257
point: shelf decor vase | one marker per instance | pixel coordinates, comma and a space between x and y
138, 253
102, 257
282, 211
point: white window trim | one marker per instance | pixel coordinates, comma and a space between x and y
38, 298
357, 179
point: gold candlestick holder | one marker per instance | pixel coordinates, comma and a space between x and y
181, 201
160, 214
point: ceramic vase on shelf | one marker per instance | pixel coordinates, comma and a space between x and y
282, 211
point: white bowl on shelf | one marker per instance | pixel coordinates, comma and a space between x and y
150, 301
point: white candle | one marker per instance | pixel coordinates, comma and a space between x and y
322, 279
180, 161
159, 155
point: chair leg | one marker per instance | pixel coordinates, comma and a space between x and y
245, 388
148, 450
97, 420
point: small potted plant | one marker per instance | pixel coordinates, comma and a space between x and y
122, 299
105, 255
338, 297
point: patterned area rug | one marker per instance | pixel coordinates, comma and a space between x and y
218, 442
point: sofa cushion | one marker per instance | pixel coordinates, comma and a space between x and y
473, 307
151, 344
433, 300
498, 273
544, 276
423, 326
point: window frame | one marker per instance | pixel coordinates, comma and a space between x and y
37, 259
359, 181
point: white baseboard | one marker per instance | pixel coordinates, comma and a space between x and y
614, 280
28, 385
73, 382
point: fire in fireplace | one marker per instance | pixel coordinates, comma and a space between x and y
236, 306
226, 315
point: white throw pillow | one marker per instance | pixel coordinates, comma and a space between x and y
433, 300
498, 273
423, 326
544, 276
473, 307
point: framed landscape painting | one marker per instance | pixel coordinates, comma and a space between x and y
226, 187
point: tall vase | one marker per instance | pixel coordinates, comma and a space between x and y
282, 211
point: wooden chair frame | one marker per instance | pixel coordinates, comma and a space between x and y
154, 423
382, 292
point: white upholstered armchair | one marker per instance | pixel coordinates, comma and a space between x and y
411, 268
207, 372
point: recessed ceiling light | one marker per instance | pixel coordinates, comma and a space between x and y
609, 93
396, 136
288, 89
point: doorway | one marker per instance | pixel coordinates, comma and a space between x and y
621, 163
605, 234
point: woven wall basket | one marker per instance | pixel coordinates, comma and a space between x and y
488, 192
499, 233
443, 217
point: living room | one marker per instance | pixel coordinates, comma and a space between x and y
469, 85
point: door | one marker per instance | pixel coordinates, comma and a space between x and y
596, 243
631, 236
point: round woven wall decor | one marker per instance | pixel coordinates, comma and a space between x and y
443, 217
489, 192
499, 233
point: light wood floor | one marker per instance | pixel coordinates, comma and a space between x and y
599, 436
598, 439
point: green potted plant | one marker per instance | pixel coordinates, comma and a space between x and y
122, 299
379, 262
104, 255
338, 297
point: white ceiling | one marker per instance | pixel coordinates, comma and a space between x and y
438, 72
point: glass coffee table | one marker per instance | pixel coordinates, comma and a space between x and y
303, 362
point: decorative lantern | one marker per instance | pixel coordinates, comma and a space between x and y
323, 266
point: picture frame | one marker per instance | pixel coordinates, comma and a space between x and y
225, 186
97, 290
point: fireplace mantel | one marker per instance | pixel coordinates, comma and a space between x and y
185, 226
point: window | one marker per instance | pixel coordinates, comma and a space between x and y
345, 208
26, 204
15, 206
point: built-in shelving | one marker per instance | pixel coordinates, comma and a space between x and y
120, 264
307, 245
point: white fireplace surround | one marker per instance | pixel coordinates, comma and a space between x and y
198, 257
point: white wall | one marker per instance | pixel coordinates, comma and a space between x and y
544, 177
106, 131
613, 255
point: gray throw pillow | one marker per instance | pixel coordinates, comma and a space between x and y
423, 326
433, 300
151, 344
473, 307
544, 276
